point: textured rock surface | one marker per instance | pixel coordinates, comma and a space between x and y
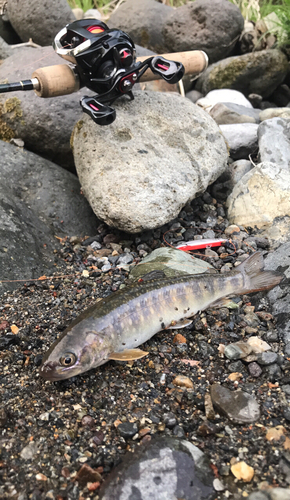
228, 113
172, 262
166, 468
227, 181
244, 73
40, 21
140, 171
261, 195
45, 125
143, 21
210, 25
241, 138
274, 142
38, 200
238, 406
280, 295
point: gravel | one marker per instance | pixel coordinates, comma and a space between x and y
49, 431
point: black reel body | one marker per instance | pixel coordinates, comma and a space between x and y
105, 60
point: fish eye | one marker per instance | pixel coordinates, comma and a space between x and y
68, 359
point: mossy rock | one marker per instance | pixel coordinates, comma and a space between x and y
257, 72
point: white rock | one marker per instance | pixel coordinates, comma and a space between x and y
274, 142
258, 345
242, 139
223, 95
269, 113
261, 195
159, 153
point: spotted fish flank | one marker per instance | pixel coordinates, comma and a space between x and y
117, 325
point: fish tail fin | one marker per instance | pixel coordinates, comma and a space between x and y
256, 278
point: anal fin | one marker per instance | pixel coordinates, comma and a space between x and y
128, 355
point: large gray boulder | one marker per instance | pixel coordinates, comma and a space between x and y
254, 73
45, 125
40, 21
210, 25
38, 200
159, 154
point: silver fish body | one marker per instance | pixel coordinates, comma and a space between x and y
131, 316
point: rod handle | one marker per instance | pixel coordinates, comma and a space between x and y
62, 80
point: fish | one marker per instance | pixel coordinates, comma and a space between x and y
113, 328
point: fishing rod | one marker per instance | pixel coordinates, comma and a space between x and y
104, 60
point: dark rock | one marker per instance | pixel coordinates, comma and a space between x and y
143, 21
238, 406
38, 200
128, 429
45, 125
267, 358
169, 420
167, 468
209, 25
254, 369
28, 16
281, 96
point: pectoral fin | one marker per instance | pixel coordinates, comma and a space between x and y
128, 355
175, 325
224, 302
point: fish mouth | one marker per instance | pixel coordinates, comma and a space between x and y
50, 371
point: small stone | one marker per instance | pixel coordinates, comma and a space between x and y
169, 420
128, 429
275, 433
232, 229
286, 413
206, 429
233, 377
238, 350
182, 381
98, 438
44, 416
41, 477
240, 407
87, 421
255, 370
93, 486
87, 475
29, 451
179, 339
218, 485
243, 471
267, 358
208, 406
286, 388
258, 345
3, 417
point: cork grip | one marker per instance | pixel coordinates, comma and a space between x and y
56, 80
61, 79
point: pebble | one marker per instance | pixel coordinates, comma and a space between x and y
258, 345
3, 417
182, 381
169, 420
239, 350
128, 429
87, 475
255, 370
267, 358
240, 407
29, 451
243, 471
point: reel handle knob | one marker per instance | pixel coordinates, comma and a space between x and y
100, 113
170, 71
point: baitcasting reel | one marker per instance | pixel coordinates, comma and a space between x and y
105, 62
